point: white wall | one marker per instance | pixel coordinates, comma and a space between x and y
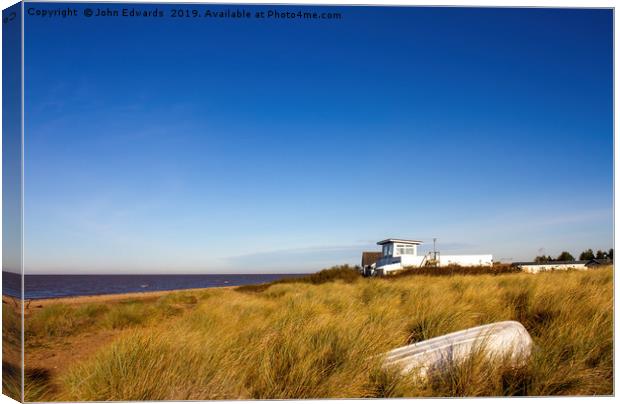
466, 260
388, 269
411, 260
534, 269
391, 264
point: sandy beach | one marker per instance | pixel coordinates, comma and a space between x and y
35, 304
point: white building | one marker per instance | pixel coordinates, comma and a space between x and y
398, 254
536, 267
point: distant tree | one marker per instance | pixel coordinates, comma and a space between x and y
610, 254
586, 255
565, 256
542, 258
601, 255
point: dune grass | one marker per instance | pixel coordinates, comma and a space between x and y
61, 320
11, 348
344, 273
325, 339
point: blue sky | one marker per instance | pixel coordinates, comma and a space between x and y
193, 145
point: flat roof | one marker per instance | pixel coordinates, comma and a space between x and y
552, 263
398, 240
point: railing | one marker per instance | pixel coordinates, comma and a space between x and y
431, 258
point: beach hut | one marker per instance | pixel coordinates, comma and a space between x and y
398, 254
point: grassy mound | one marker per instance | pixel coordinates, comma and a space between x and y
344, 273
62, 320
300, 340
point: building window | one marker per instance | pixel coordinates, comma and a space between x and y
388, 250
403, 249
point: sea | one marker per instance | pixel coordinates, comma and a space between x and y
51, 286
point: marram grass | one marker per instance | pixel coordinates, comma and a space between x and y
324, 339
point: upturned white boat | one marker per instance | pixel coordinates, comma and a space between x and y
506, 340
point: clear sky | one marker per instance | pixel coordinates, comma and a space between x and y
202, 145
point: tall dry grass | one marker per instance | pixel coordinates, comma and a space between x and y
62, 320
11, 348
304, 340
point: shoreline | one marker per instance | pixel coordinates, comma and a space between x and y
39, 303
105, 296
